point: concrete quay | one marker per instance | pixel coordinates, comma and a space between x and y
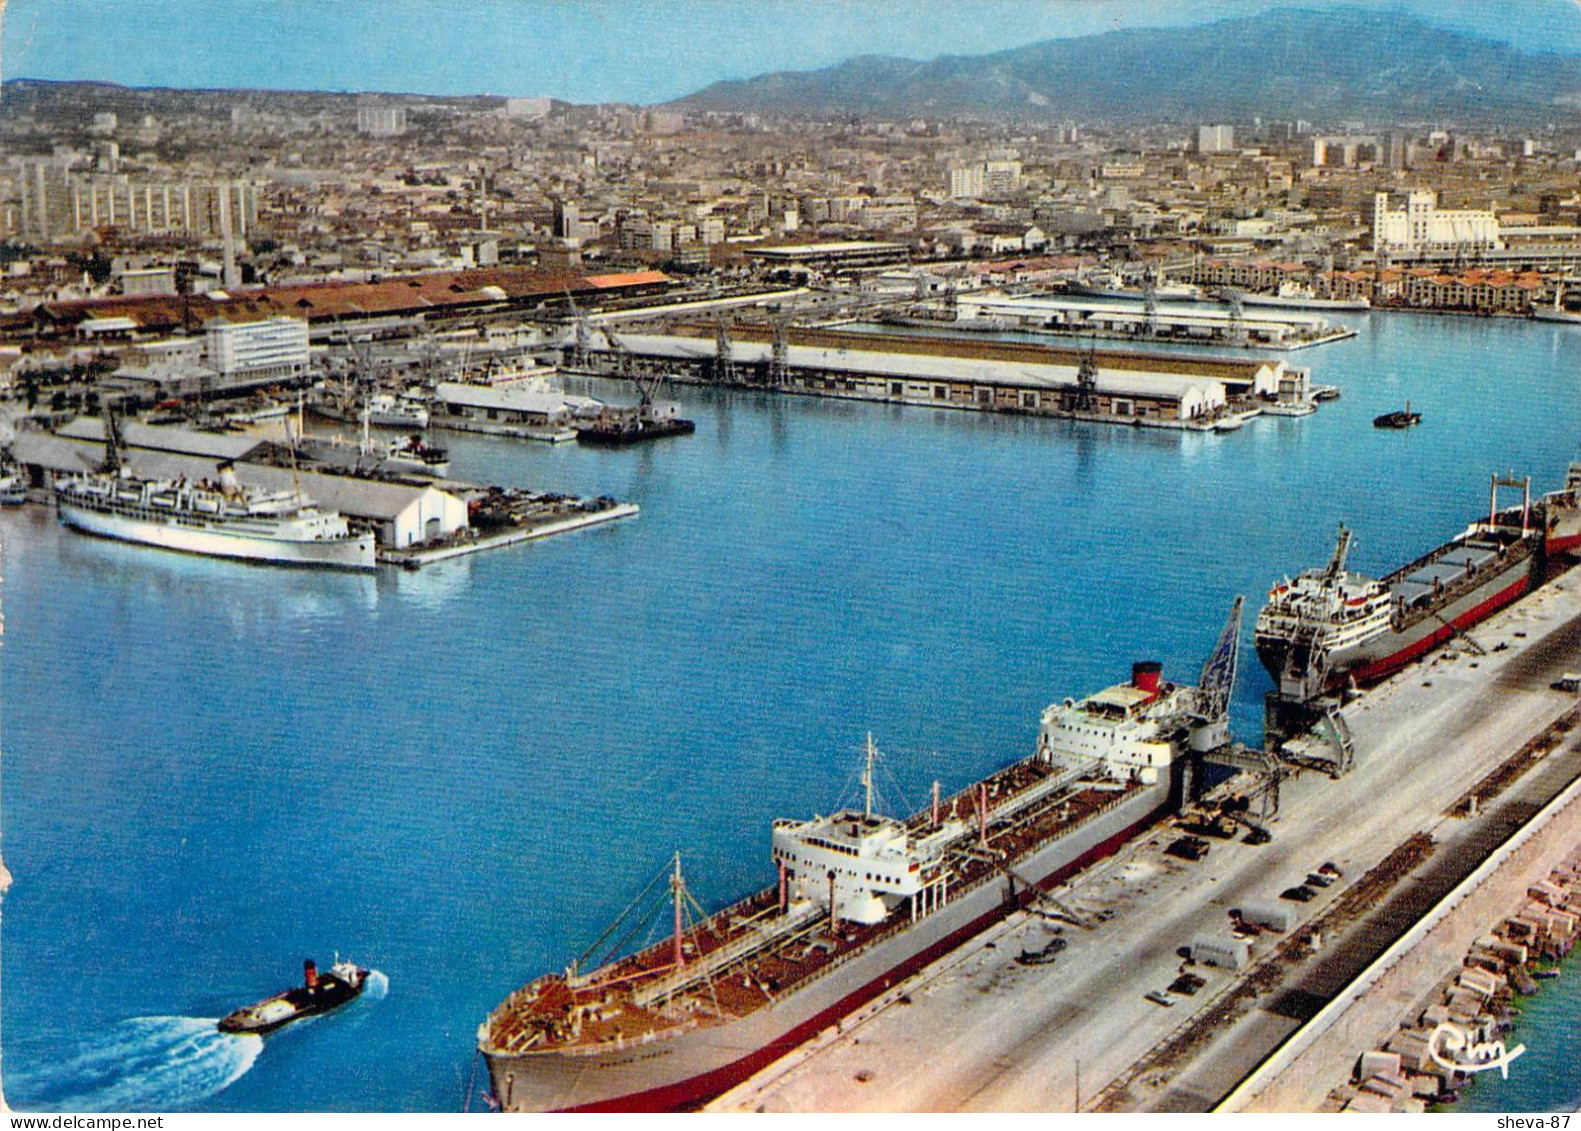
977, 1032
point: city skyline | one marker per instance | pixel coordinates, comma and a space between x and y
594, 52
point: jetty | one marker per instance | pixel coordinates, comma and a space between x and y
1118, 387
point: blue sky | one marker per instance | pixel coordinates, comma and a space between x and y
598, 50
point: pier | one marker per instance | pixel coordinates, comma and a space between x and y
416, 521
1123, 387
978, 1032
1139, 319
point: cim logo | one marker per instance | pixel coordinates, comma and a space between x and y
1451, 1047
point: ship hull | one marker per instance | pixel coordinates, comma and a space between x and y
1381, 656
185, 537
701, 1063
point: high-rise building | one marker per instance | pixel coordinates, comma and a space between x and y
57, 202
1215, 139
530, 108
377, 120
567, 220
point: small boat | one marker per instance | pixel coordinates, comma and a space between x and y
1290, 408
318, 993
13, 487
1398, 419
1325, 392
1545, 973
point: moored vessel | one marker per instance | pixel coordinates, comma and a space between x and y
217, 517
1329, 628
862, 901
318, 993
1398, 419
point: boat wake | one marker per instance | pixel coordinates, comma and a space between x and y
141, 1064
377, 987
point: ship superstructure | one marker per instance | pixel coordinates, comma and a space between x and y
1328, 628
862, 900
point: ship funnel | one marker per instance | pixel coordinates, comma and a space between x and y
229, 484
309, 973
1144, 675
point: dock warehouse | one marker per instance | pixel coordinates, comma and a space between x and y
511, 403
1121, 316
1132, 394
400, 514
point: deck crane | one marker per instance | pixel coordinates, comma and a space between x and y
648, 381
581, 331
1087, 381
1218, 673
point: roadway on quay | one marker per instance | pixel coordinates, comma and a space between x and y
978, 1032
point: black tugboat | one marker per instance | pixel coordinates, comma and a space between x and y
318, 993
648, 420
624, 426
1398, 419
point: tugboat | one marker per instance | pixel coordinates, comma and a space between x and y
318, 993
1398, 419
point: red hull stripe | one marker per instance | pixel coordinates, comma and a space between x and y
1378, 669
701, 1089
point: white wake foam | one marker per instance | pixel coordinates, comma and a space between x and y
142, 1064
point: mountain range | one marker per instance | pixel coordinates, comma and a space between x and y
1283, 63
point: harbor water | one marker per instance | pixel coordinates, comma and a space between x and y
459, 776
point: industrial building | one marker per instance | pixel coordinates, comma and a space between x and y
834, 255
512, 403
1125, 318
1423, 226
1002, 377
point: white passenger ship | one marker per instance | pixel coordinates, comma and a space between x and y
220, 517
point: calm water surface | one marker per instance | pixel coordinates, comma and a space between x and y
459, 776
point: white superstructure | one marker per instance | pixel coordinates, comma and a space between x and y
1133, 731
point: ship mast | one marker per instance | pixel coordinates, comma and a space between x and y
1336, 565
678, 890
867, 778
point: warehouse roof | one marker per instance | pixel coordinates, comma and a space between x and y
935, 367
359, 498
162, 438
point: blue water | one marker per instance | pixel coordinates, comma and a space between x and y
1544, 1077
459, 776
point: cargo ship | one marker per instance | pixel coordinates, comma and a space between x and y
1329, 628
862, 901
318, 993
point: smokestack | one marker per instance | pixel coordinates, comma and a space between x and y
1144, 675
309, 974
229, 484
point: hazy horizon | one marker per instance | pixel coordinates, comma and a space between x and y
600, 50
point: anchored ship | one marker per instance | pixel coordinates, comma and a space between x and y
219, 517
862, 901
318, 993
1330, 628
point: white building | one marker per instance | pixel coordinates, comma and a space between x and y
1422, 226
274, 349
985, 179
381, 121
1215, 139
529, 108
